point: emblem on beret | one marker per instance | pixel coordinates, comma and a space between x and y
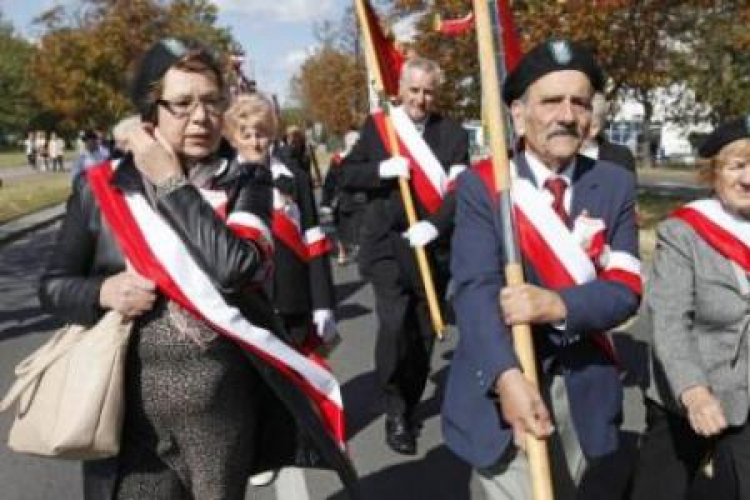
561, 52
176, 47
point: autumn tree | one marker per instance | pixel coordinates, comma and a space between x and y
86, 52
329, 86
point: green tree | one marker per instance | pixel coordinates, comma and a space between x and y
713, 59
17, 107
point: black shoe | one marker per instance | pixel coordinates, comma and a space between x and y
399, 435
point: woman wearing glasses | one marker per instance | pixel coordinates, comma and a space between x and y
698, 299
202, 404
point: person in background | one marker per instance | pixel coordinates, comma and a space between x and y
597, 147
294, 151
93, 154
56, 151
439, 150
697, 305
346, 206
302, 284
30, 148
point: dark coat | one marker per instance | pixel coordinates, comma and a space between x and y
87, 253
472, 423
300, 286
385, 213
616, 153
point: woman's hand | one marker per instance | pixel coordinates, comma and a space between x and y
152, 155
128, 293
704, 411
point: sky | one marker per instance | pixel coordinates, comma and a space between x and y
277, 35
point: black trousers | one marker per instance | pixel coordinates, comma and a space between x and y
672, 455
405, 333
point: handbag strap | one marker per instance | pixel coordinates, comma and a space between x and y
31, 369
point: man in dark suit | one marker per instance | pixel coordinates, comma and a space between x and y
435, 149
577, 288
597, 146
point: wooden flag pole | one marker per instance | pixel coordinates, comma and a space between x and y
536, 449
411, 214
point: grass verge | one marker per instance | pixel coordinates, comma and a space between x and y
32, 193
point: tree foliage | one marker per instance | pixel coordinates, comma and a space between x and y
87, 51
17, 108
331, 89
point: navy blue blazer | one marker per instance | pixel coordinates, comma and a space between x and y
472, 422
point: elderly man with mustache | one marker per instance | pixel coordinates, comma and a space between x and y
576, 222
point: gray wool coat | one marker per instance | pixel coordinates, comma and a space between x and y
699, 318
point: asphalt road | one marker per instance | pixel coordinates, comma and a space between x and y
435, 473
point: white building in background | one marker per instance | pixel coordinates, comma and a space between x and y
670, 137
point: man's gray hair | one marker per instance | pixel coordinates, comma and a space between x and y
422, 64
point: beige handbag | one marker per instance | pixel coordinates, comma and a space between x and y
70, 393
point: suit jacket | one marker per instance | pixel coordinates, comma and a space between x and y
472, 423
698, 318
385, 211
616, 153
300, 286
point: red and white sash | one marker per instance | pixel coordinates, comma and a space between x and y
159, 253
561, 257
287, 226
727, 234
427, 174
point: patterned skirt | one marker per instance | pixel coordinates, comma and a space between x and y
191, 412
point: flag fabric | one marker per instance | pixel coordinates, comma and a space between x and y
508, 42
389, 59
455, 27
511, 44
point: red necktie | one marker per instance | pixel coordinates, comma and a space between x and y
557, 186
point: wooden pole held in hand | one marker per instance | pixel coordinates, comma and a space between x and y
424, 268
536, 449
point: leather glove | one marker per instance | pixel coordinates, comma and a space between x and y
325, 325
421, 233
393, 167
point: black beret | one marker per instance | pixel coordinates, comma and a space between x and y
549, 56
723, 135
154, 63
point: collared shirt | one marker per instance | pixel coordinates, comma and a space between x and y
541, 173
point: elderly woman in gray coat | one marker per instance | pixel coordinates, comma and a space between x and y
699, 302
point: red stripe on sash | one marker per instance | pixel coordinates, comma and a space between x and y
428, 196
134, 246
537, 252
719, 238
287, 232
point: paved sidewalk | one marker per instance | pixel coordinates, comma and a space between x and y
16, 228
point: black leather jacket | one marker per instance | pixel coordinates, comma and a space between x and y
87, 252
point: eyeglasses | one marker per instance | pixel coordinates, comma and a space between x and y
184, 107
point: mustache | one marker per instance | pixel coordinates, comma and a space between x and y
565, 132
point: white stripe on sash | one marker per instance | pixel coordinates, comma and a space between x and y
714, 212
199, 289
558, 237
419, 150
